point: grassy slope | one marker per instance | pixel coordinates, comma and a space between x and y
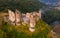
9, 31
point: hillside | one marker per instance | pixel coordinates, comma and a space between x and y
10, 31
51, 15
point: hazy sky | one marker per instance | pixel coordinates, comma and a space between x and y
50, 2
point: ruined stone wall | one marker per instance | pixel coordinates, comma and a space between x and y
29, 18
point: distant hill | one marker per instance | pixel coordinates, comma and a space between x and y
50, 2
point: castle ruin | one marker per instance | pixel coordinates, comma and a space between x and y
18, 18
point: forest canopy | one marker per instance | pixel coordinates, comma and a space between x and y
22, 5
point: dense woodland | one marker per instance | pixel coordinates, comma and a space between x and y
22, 5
